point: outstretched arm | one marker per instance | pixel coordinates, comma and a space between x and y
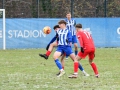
52, 40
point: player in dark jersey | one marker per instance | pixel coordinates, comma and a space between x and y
53, 43
87, 48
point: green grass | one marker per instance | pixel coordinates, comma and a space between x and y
25, 70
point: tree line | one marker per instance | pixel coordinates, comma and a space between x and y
58, 8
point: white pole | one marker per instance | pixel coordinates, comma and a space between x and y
4, 41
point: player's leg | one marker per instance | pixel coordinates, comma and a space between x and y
74, 41
56, 55
50, 49
62, 62
79, 66
93, 65
76, 48
52, 45
67, 57
76, 65
68, 51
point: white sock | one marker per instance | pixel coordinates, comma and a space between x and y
75, 73
83, 71
61, 70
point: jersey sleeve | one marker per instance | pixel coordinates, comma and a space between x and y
52, 40
69, 36
80, 39
74, 22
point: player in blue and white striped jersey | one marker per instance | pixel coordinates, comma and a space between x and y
64, 37
71, 27
64, 46
63, 41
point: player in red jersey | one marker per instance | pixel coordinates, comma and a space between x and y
87, 48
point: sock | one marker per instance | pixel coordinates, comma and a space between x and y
76, 67
76, 52
94, 68
62, 67
64, 54
80, 67
48, 53
67, 56
58, 64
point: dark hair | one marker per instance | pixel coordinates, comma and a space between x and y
56, 26
62, 22
68, 13
78, 25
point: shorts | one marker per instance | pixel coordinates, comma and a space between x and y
65, 49
74, 39
90, 53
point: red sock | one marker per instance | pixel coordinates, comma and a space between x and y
75, 67
64, 54
94, 68
63, 68
48, 53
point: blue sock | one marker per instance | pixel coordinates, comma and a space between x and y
58, 64
66, 56
76, 52
80, 67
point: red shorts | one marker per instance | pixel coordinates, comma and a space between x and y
90, 53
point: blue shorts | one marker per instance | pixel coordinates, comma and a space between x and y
74, 39
65, 49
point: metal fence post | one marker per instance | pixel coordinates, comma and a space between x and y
72, 9
38, 8
105, 8
3, 4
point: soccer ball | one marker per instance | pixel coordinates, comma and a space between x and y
46, 29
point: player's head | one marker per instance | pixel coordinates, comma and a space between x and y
68, 15
62, 24
78, 27
56, 27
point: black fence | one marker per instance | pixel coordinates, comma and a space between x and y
58, 8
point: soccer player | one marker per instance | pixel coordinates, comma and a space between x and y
53, 44
87, 48
71, 26
64, 46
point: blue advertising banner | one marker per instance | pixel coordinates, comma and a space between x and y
27, 33
105, 31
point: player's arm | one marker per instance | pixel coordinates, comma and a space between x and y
81, 42
52, 40
69, 37
74, 22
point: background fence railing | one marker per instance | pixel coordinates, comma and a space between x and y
58, 8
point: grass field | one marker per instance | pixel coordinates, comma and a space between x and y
25, 70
